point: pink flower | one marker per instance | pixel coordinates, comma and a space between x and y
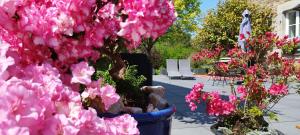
44, 39
193, 106
109, 96
278, 89
82, 73
252, 70
242, 36
14, 131
242, 90
287, 67
142, 23
223, 67
122, 125
216, 106
232, 98
93, 89
5, 62
194, 96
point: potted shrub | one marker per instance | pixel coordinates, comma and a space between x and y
289, 48
244, 112
61, 71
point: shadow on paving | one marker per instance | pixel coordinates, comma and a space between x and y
176, 96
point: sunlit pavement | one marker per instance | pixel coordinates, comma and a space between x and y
186, 122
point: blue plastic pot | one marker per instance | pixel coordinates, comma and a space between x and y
152, 123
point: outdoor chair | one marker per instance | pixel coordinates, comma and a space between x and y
172, 68
217, 74
185, 69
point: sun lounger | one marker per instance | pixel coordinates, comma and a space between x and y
172, 69
185, 69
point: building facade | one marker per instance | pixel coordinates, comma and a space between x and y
287, 19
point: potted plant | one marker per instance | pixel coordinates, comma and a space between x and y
244, 112
61, 71
289, 48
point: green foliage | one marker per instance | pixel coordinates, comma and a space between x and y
273, 116
157, 71
255, 111
175, 35
129, 88
107, 79
221, 26
241, 123
173, 52
132, 77
156, 58
102, 67
204, 64
290, 48
188, 13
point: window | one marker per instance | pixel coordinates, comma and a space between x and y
293, 24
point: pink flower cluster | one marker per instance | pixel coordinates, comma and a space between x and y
36, 101
215, 105
207, 54
72, 29
82, 73
278, 89
146, 19
107, 93
242, 91
287, 67
223, 67
44, 40
194, 96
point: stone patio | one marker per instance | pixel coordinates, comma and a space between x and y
186, 122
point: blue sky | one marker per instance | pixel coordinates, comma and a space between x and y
208, 4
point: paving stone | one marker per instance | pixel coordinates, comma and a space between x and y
191, 131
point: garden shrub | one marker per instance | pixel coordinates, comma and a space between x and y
221, 25
173, 52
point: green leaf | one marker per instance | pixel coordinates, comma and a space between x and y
273, 116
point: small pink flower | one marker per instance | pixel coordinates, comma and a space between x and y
93, 89
194, 96
122, 125
242, 91
82, 73
5, 62
216, 106
232, 98
278, 89
109, 96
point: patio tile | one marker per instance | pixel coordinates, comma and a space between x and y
191, 131
178, 123
288, 128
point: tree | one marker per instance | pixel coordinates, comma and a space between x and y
221, 26
188, 14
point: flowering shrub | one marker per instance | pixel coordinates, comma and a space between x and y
46, 56
248, 102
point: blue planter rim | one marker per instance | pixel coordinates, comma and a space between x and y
147, 117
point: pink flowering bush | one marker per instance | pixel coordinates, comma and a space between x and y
47, 55
247, 104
